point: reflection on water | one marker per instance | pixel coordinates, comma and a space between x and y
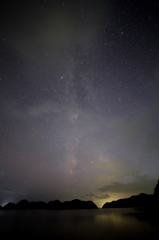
78, 224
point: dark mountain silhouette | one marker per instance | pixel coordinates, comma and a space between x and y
38, 205
78, 204
52, 205
142, 200
9, 206
23, 204
156, 190
156, 195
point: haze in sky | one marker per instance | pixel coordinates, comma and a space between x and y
79, 83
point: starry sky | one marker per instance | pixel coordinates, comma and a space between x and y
79, 84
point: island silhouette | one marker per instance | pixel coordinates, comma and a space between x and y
51, 205
142, 201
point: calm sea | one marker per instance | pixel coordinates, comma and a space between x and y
78, 224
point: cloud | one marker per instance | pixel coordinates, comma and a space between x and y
139, 184
104, 196
89, 195
7, 190
94, 196
44, 108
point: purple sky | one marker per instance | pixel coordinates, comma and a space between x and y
79, 84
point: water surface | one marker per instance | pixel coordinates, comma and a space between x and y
78, 224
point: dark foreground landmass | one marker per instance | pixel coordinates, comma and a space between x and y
141, 201
52, 205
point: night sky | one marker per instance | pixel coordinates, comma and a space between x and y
79, 92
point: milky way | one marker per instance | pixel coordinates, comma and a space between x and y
79, 100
